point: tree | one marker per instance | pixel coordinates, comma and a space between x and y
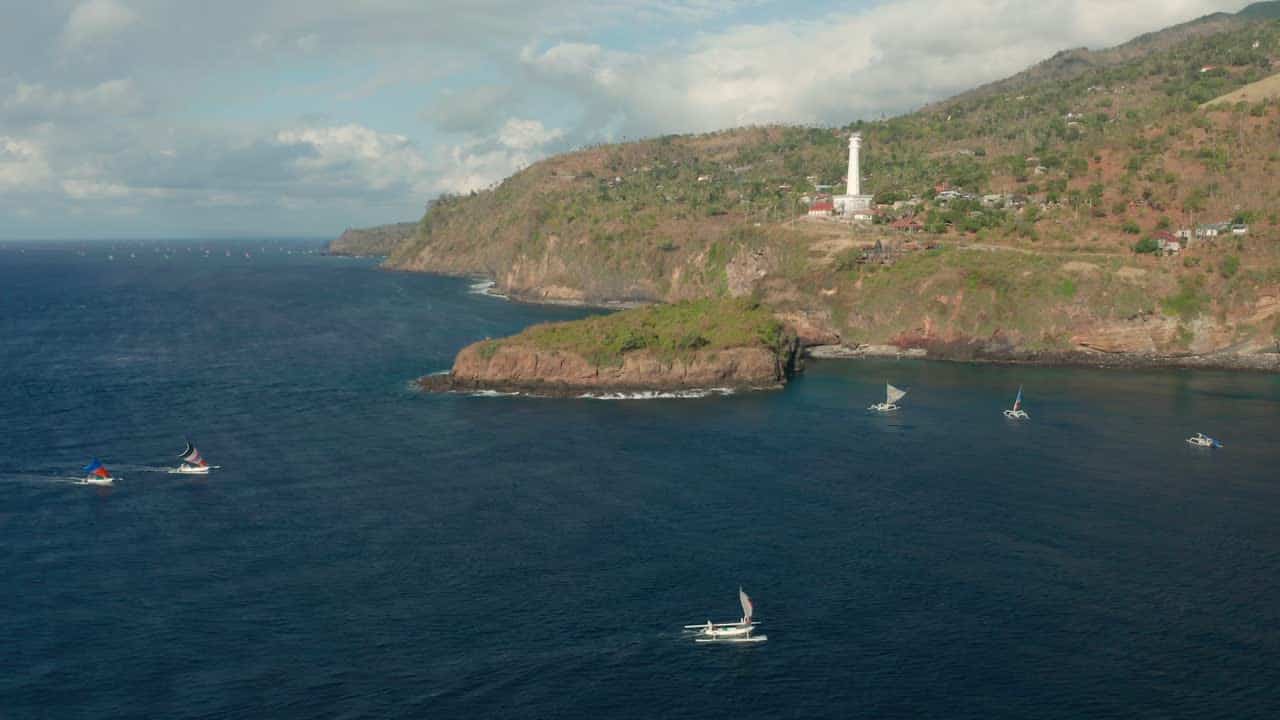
1146, 246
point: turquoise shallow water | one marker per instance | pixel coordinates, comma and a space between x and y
368, 551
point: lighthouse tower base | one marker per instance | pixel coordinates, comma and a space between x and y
847, 205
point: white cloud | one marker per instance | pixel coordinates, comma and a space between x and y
37, 102
93, 21
889, 59
354, 155
81, 189
22, 164
519, 134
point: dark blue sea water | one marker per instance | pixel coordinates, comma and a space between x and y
368, 551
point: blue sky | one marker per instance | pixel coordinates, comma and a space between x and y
168, 118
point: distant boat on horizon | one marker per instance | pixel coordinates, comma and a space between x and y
1202, 440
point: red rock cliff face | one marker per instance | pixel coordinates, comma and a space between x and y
520, 367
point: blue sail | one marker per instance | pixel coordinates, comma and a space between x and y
94, 464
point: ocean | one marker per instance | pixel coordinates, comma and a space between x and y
368, 551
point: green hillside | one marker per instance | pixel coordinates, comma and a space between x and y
1088, 163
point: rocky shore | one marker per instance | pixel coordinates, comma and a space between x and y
555, 373
972, 352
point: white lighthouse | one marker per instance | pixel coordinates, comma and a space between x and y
853, 201
855, 170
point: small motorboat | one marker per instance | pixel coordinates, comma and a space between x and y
731, 632
1202, 440
97, 474
192, 463
891, 396
1016, 412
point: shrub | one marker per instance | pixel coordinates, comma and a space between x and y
1189, 301
1230, 266
1132, 228
1145, 246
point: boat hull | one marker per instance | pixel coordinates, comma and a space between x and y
95, 480
1017, 414
749, 639
883, 407
191, 470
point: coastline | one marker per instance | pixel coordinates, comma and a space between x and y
961, 351
1255, 362
445, 382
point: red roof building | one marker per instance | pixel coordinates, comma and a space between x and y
822, 207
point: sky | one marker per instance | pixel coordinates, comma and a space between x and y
186, 118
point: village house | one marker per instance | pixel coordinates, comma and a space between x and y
1167, 242
822, 207
1207, 231
1239, 229
907, 224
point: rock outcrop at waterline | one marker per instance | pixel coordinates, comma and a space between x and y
543, 372
697, 345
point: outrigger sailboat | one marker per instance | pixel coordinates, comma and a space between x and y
97, 474
192, 463
732, 632
1202, 440
1016, 412
891, 396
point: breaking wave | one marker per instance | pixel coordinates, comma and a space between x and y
659, 394
485, 287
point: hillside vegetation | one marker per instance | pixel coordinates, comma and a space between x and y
667, 331
1108, 149
380, 240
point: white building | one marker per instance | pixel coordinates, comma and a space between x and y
853, 202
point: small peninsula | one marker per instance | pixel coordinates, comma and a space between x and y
701, 344
374, 241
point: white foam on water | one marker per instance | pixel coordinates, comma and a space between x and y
485, 287
491, 393
660, 394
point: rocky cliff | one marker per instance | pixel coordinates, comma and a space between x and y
543, 372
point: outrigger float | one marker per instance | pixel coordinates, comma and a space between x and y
731, 632
192, 463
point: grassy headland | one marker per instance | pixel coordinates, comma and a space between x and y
669, 332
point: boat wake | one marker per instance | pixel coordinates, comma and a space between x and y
38, 479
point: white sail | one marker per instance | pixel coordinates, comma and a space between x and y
893, 394
747, 608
